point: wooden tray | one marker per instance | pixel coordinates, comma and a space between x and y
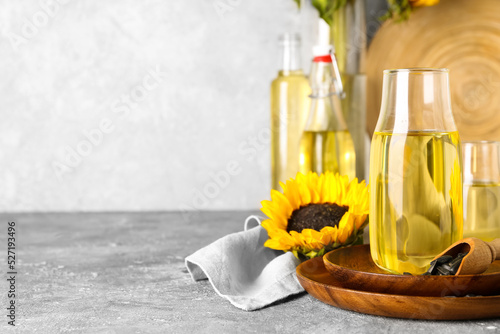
318, 282
353, 268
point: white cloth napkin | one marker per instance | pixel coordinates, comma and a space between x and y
245, 272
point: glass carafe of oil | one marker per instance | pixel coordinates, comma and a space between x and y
415, 172
326, 144
289, 105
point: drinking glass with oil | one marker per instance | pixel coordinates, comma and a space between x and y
415, 172
481, 163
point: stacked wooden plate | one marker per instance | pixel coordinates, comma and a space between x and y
348, 278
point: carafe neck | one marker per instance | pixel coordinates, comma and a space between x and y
415, 99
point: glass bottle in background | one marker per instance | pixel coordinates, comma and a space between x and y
415, 172
289, 105
481, 189
349, 37
326, 144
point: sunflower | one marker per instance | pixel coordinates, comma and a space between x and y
315, 214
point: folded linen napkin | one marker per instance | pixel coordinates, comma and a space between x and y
245, 272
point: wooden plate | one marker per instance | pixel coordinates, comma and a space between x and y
353, 268
461, 35
318, 282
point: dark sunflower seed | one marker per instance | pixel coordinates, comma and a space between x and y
431, 268
454, 268
456, 262
446, 267
444, 259
442, 271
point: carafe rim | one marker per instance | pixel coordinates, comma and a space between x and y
416, 70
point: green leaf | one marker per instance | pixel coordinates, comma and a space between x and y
359, 240
321, 252
399, 10
298, 3
327, 7
312, 254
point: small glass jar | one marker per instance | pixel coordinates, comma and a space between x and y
481, 163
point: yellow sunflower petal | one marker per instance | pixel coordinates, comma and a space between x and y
298, 238
328, 235
360, 220
329, 190
422, 3
346, 227
320, 188
312, 184
275, 214
272, 229
291, 192
312, 240
276, 244
305, 194
332, 233
282, 202
310, 235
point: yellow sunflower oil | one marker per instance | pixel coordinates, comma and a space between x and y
289, 105
482, 210
416, 185
323, 151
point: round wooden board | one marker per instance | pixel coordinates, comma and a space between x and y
461, 35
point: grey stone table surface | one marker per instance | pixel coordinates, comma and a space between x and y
125, 273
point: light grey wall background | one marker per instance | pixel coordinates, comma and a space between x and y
140, 105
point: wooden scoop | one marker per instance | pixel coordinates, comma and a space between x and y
480, 255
